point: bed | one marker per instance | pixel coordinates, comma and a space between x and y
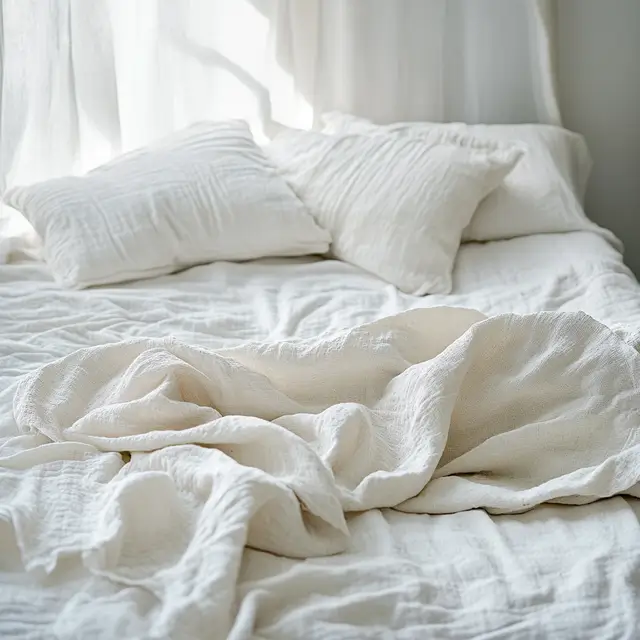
555, 571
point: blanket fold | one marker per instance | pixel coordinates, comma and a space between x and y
269, 444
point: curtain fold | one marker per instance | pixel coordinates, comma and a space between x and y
543, 56
83, 81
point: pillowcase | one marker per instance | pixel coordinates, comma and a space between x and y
202, 194
543, 194
394, 205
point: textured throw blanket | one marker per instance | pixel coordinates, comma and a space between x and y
156, 462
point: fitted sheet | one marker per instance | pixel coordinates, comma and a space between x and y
569, 572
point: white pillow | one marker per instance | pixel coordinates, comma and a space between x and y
205, 193
543, 194
395, 205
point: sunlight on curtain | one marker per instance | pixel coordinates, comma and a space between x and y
179, 62
87, 80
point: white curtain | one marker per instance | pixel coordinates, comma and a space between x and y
83, 81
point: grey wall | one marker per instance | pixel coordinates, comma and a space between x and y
599, 86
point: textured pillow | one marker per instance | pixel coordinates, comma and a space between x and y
205, 193
543, 194
395, 205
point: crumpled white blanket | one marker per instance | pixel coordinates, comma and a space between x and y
157, 462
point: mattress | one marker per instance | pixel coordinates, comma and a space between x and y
556, 571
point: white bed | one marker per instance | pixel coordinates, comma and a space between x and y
553, 572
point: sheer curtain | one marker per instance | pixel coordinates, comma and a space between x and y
83, 81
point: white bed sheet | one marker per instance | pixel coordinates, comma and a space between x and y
565, 572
